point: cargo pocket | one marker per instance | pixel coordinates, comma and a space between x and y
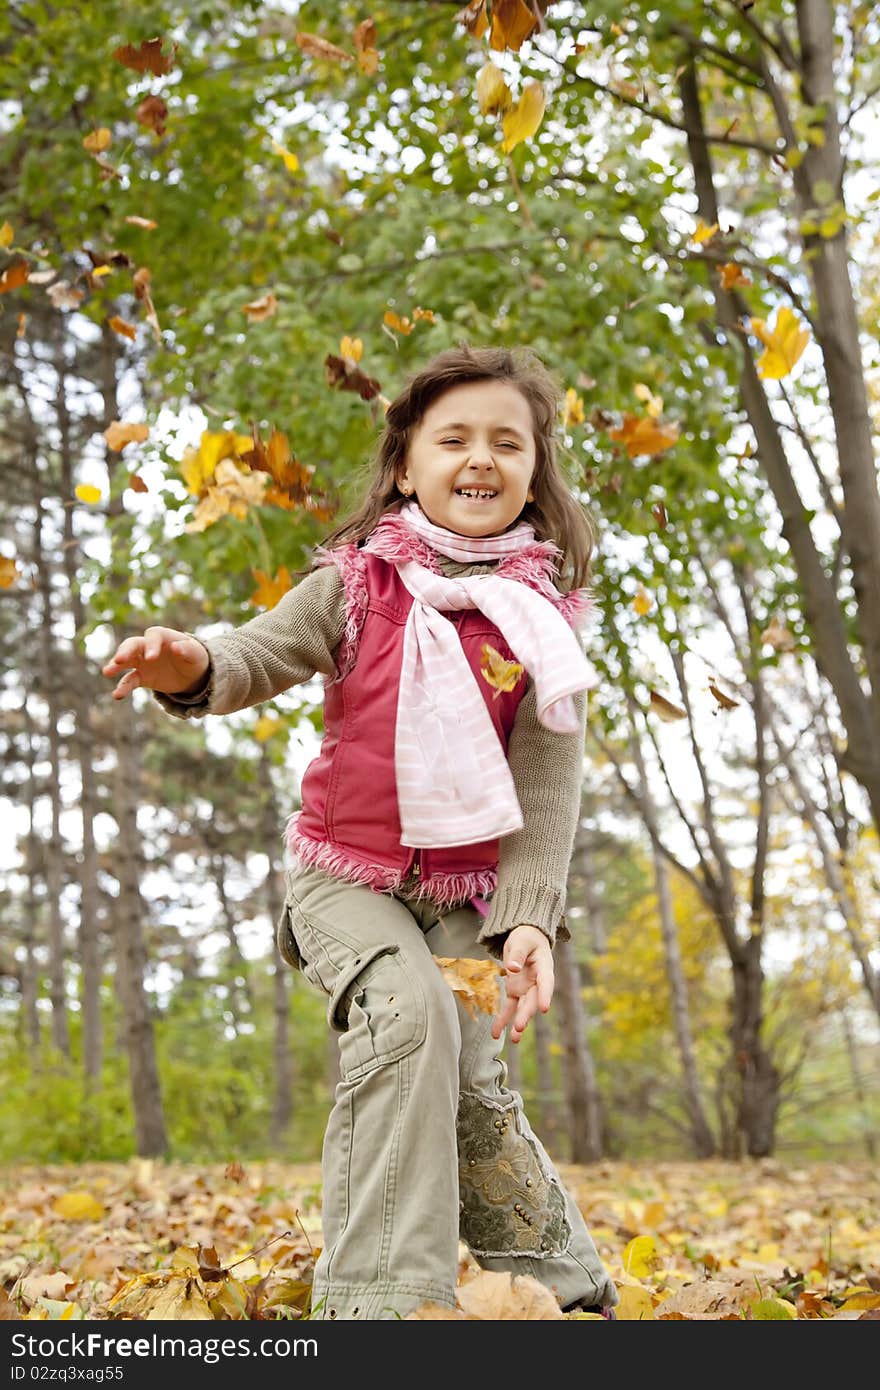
375, 999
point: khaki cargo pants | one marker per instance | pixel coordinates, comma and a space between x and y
424, 1143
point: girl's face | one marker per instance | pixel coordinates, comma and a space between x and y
478, 437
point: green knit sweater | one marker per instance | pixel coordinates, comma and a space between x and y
297, 639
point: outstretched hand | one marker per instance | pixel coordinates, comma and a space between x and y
163, 659
529, 980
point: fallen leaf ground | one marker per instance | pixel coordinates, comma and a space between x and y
681, 1240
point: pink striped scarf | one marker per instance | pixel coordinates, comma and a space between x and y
454, 785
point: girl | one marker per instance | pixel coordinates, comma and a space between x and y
437, 820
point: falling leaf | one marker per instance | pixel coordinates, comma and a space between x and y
523, 120
148, 57
153, 113
146, 222
574, 408
732, 276
9, 571
653, 404
493, 93
400, 325
136, 483
475, 981
704, 232
498, 672
317, 47
234, 1172
260, 309
7, 235
141, 285
665, 708
269, 591
365, 43
97, 141
119, 325
473, 17
87, 493
291, 163
427, 314
509, 1298
725, 701
232, 492
642, 601
13, 276
79, 1206
341, 374
352, 349
22, 322
267, 726
784, 344
642, 435
291, 481
119, 433
512, 23
658, 511
778, 636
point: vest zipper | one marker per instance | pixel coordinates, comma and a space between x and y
416, 866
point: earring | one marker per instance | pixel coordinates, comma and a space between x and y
530, 496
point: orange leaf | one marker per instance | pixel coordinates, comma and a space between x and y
152, 113
642, 435
473, 17
9, 571
665, 708
317, 47
13, 276
136, 483
269, 591
118, 434
97, 141
119, 325
259, 309
393, 320
474, 981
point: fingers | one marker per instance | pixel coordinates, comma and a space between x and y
126, 654
508, 1009
130, 681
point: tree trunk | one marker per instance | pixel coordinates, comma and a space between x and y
584, 1112
282, 1100
240, 993
703, 1139
28, 977
859, 1087
759, 1078
55, 854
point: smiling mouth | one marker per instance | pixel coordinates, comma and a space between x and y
475, 494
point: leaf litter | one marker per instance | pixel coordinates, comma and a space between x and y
143, 1240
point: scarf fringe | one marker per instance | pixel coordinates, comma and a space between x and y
442, 889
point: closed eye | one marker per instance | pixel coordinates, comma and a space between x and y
507, 443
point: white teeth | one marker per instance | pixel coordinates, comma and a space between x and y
475, 492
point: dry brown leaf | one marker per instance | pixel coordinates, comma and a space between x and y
474, 981
509, 1298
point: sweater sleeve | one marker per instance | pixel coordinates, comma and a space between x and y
272, 652
533, 863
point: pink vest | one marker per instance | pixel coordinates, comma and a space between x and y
349, 824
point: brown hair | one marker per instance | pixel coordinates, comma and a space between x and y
555, 514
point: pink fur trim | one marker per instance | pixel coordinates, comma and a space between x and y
353, 572
577, 608
442, 889
392, 540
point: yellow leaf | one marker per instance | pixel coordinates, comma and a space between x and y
7, 235
78, 1206
732, 276
497, 672
773, 1310
635, 1303
474, 981
493, 93
704, 232
574, 407
164, 1294
119, 433
87, 493
643, 602
266, 726
654, 404
233, 491
861, 1299
784, 344
508, 1297
290, 160
352, 348
526, 116
97, 141
640, 1256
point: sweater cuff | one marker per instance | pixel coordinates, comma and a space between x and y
525, 904
193, 706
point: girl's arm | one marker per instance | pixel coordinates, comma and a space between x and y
272, 652
533, 863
